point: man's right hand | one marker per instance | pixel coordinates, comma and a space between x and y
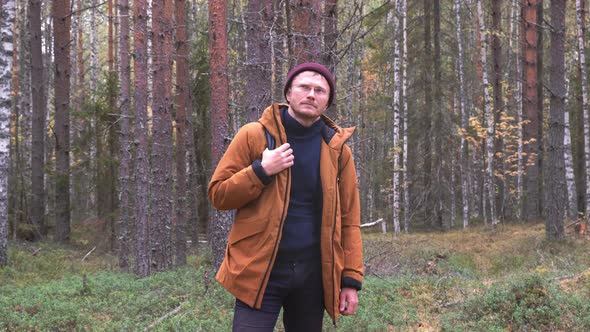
274, 161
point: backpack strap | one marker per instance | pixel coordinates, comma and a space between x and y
270, 141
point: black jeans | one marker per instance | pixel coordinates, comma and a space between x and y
294, 285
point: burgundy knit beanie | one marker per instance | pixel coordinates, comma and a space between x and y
312, 66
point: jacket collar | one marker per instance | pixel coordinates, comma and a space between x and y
334, 135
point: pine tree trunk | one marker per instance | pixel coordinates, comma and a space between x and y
489, 178
182, 102
38, 125
439, 134
7, 16
464, 149
220, 221
259, 21
304, 21
555, 174
530, 107
61, 34
330, 34
585, 109
161, 170
125, 139
142, 162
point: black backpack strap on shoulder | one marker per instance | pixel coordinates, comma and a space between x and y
270, 141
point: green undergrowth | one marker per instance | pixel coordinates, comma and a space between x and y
511, 279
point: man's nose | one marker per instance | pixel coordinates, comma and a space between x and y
311, 93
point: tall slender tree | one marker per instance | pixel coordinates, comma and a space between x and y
530, 109
220, 221
38, 125
572, 199
304, 23
489, 177
125, 153
7, 16
182, 102
161, 168
497, 63
142, 162
555, 174
259, 21
464, 148
585, 108
427, 116
61, 35
396, 117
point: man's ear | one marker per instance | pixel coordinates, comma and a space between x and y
288, 95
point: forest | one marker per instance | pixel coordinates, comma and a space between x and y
471, 116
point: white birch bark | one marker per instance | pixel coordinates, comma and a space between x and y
93, 48
396, 111
517, 95
464, 163
453, 161
7, 14
582, 59
406, 190
572, 207
489, 178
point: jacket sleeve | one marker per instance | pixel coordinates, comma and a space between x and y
237, 180
352, 275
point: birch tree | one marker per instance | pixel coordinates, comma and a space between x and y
572, 200
396, 117
489, 178
555, 175
7, 16
404, 85
585, 109
464, 148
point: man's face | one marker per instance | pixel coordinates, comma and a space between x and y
308, 97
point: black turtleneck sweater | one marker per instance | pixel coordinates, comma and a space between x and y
301, 232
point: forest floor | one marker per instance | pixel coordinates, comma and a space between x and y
509, 279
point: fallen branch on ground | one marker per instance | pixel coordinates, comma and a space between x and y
369, 224
88, 254
161, 319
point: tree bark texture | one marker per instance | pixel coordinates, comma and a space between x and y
530, 110
464, 148
304, 21
438, 176
161, 170
142, 162
489, 177
61, 34
555, 174
330, 33
404, 64
396, 118
182, 102
427, 116
125, 139
7, 16
38, 126
585, 108
259, 25
220, 221
572, 199
498, 109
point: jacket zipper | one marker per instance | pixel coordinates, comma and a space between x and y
334, 304
281, 224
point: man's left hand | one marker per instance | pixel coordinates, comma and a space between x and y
349, 300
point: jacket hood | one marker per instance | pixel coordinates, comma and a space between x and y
271, 120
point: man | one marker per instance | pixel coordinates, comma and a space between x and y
295, 242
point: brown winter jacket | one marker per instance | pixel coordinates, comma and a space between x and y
261, 211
